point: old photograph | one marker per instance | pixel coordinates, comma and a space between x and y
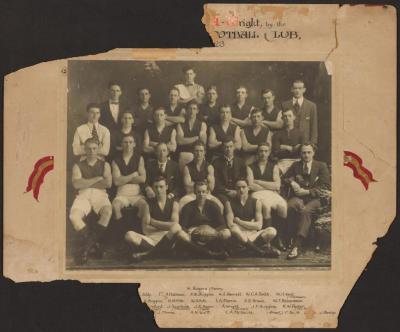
198, 165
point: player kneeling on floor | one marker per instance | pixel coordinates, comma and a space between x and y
91, 177
244, 219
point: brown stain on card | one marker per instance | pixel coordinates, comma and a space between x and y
309, 312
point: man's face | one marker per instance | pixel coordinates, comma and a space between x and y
127, 119
190, 75
268, 99
128, 144
288, 118
192, 111
162, 153
298, 89
241, 94
159, 117
144, 95
225, 114
115, 92
199, 152
93, 114
263, 153
91, 150
212, 96
256, 118
160, 188
201, 193
229, 149
307, 153
173, 96
242, 188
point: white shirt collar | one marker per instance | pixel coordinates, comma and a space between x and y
91, 125
309, 165
299, 100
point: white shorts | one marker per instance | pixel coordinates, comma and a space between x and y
129, 189
154, 237
251, 234
270, 198
91, 198
127, 201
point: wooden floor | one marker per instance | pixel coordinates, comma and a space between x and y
309, 260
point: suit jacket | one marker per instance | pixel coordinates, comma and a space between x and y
221, 170
319, 177
306, 119
171, 174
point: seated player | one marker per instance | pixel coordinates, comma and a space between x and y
244, 219
128, 174
165, 167
159, 132
241, 109
175, 111
92, 129
188, 133
127, 129
209, 111
204, 223
272, 114
198, 170
305, 178
219, 132
287, 141
143, 113
91, 177
160, 225
227, 170
265, 182
253, 136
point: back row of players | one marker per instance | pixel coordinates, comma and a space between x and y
201, 205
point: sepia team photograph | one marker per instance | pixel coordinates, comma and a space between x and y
198, 165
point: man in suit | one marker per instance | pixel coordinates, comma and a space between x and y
111, 111
228, 169
165, 167
305, 179
305, 112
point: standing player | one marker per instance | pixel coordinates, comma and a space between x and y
198, 170
128, 174
159, 132
190, 89
272, 115
241, 109
209, 112
175, 111
265, 182
244, 219
254, 135
91, 177
188, 133
127, 129
143, 113
219, 132
305, 112
287, 141
92, 129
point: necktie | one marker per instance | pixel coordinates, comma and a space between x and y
305, 169
161, 168
229, 163
296, 107
114, 102
95, 135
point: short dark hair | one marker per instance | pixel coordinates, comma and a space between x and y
264, 91
159, 179
212, 87
225, 106
263, 144
111, 83
129, 135
92, 105
299, 81
255, 110
287, 110
241, 87
174, 88
227, 139
127, 112
192, 102
159, 109
199, 143
199, 184
92, 140
242, 179
142, 88
314, 147
161, 143
186, 68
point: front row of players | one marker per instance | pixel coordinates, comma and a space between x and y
199, 224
